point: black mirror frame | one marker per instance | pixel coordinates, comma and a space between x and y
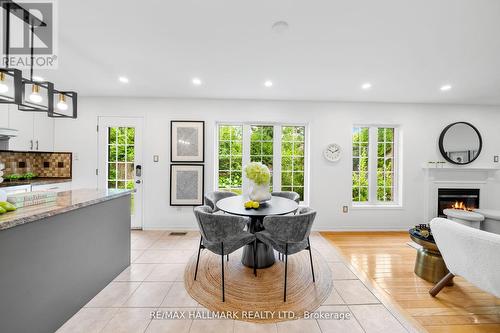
441, 139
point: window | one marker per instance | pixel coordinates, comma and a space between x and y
360, 148
385, 165
292, 159
280, 147
261, 146
374, 165
230, 158
121, 159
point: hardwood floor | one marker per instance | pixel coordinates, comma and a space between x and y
387, 261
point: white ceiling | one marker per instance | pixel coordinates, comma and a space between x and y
406, 48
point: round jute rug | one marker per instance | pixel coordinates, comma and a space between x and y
259, 299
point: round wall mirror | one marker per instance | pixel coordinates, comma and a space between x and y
460, 143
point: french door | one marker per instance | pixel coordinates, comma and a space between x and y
120, 159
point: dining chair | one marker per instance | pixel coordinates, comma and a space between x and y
222, 235
289, 234
288, 194
211, 198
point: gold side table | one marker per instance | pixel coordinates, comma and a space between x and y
429, 264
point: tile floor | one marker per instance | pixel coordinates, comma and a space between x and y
154, 281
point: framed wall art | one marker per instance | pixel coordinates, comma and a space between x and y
187, 184
187, 141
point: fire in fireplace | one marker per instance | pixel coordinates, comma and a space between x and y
458, 198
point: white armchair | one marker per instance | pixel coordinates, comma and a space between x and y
469, 253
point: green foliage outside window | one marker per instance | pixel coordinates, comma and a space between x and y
292, 159
384, 164
230, 158
360, 150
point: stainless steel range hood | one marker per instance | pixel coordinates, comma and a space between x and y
5, 135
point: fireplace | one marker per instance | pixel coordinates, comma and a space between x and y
459, 198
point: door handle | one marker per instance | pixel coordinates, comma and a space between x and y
138, 181
36, 144
31, 144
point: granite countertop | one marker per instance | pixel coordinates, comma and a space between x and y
66, 201
35, 181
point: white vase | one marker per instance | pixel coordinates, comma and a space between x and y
259, 193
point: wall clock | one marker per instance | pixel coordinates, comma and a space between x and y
333, 152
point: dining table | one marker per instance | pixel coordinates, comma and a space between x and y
275, 206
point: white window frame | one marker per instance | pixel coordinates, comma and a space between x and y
372, 202
276, 153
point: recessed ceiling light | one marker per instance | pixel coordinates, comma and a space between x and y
280, 27
123, 79
38, 79
366, 86
197, 81
268, 83
446, 87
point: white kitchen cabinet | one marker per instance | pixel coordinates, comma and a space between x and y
43, 132
36, 131
4, 115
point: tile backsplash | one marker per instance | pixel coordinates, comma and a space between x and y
57, 165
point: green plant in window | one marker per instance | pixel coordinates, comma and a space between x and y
287, 149
122, 135
236, 162
225, 133
130, 135
267, 133
111, 135
287, 133
298, 164
236, 148
224, 163
224, 148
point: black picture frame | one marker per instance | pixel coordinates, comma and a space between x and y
201, 201
176, 160
445, 154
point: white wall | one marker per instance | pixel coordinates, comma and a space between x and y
328, 122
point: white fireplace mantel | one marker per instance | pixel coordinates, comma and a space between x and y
450, 176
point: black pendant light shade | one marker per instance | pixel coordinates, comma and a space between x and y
65, 105
36, 96
10, 86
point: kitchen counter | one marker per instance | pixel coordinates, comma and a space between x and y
66, 201
56, 257
35, 181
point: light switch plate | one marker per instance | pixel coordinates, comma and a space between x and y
156, 158
495, 159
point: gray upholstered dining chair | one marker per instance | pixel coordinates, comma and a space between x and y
222, 235
211, 198
288, 194
288, 235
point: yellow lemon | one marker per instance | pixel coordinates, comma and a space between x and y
255, 204
248, 204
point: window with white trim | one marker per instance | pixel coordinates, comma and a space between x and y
375, 165
281, 147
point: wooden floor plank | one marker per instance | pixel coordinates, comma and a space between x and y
387, 261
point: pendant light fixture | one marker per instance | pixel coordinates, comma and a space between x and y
66, 105
37, 96
31, 94
3, 86
10, 86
